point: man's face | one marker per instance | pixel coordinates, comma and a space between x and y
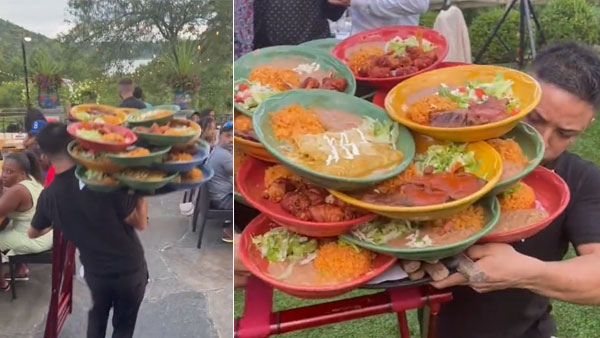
559, 117
226, 139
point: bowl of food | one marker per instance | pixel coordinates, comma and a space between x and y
183, 159
290, 201
245, 139
388, 55
192, 179
428, 240
307, 267
269, 71
98, 113
136, 156
176, 132
102, 137
529, 206
144, 179
160, 115
464, 103
127, 111
97, 180
325, 45
521, 150
91, 159
333, 140
443, 179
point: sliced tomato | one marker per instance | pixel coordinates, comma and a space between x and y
480, 93
515, 111
462, 89
243, 87
239, 99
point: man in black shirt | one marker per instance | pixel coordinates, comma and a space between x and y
126, 88
513, 300
102, 226
292, 22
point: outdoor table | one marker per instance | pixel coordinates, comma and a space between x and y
259, 321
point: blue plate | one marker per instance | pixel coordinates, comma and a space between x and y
202, 151
207, 174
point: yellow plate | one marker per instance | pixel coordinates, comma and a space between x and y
253, 149
84, 108
127, 111
525, 88
490, 169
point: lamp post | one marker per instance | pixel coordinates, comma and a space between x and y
26, 39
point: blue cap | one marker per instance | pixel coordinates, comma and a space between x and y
37, 126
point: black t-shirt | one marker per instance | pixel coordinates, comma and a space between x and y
292, 22
132, 102
94, 222
517, 313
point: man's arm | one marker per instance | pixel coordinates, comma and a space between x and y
138, 218
386, 8
41, 224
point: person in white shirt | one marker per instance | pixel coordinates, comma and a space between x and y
370, 14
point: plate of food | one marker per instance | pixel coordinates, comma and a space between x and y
144, 179
333, 140
307, 267
160, 115
176, 132
183, 159
136, 156
101, 137
294, 203
127, 111
192, 179
91, 159
443, 179
269, 71
529, 206
239, 157
245, 139
428, 240
98, 113
325, 45
97, 180
521, 150
385, 56
464, 103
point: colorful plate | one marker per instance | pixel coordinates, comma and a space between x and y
132, 122
76, 112
130, 138
325, 45
139, 161
80, 174
144, 185
199, 158
104, 165
169, 140
207, 174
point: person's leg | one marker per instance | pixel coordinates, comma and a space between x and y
130, 293
102, 298
3, 283
225, 204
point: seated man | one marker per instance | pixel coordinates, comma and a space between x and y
220, 187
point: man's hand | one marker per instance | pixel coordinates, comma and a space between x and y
240, 272
503, 266
340, 2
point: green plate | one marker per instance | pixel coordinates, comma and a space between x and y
532, 144
163, 140
147, 123
325, 45
144, 185
80, 174
244, 65
139, 161
492, 210
332, 100
240, 199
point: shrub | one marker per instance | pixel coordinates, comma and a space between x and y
481, 28
11, 93
570, 20
428, 19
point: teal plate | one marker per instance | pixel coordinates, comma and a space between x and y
144, 185
492, 213
325, 45
140, 161
163, 140
80, 174
207, 175
147, 123
265, 56
331, 100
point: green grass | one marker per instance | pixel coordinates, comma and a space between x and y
573, 321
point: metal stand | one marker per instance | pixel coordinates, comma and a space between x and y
526, 14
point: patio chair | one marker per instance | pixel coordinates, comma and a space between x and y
203, 213
44, 257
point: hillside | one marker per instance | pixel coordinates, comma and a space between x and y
11, 36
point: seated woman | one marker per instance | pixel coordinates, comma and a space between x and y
22, 184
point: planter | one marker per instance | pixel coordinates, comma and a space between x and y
48, 97
183, 99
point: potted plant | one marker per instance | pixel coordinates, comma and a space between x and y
182, 64
47, 78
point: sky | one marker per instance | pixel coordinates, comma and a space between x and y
46, 17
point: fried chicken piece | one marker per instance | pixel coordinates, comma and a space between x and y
337, 84
327, 213
310, 83
316, 195
277, 190
379, 72
296, 204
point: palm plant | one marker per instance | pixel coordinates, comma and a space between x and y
182, 66
46, 68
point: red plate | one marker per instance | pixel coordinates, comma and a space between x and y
130, 138
379, 98
551, 192
258, 266
250, 182
382, 35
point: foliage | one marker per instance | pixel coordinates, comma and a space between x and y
84, 92
570, 20
11, 94
182, 66
428, 19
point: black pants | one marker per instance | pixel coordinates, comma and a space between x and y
124, 294
223, 204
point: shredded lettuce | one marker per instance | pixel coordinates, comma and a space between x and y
342, 242
443, 158
93, 135
398, 45
511, 190
279, 245
95, 176
381, 231
383, 132
461, 100
254, 95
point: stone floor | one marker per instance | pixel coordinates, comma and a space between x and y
189, 294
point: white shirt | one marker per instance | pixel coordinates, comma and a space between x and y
370, 14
